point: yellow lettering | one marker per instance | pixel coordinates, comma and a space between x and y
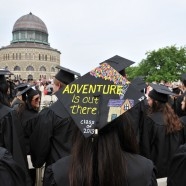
92, 89
119, 89
66, 90
85, 88
112, 89
77, 109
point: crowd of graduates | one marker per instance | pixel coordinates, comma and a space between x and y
146, 142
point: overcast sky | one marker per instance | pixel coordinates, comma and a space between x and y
87, 32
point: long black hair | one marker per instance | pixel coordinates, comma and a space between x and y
171, 120
3, 91
100, 160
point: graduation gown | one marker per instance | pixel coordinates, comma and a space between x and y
28, 114
52, 135
11, 174
137, 114
177, 169
140, 172
158, 146
183, 120
12, 137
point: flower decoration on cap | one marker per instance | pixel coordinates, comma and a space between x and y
97, 98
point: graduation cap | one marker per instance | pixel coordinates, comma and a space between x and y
119, 63
97, 98
21, 86
32, 92
160, 93
66, 75
25, 89
4, 72
139, 83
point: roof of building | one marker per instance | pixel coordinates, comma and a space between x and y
30, 22
29, 45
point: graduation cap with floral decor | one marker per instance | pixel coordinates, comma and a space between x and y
97, 98
119, 63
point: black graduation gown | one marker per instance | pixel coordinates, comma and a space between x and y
12, 138
176, 174
140, 172
11, 174
183, 120
158, 146
52, 135
28, 114
137, 114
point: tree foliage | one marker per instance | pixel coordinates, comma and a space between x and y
164, 64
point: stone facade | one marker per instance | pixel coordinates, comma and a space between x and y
30, 59
37, 62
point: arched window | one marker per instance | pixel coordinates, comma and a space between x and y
39, 57
17, 68
30, 77
45, 57
52, 69
42, 68
29, 68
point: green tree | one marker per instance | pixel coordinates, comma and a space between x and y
131, 72
164, 64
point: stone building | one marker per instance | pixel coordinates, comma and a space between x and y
29, 55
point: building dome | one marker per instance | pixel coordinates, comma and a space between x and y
29, 55
30, 22
30, 28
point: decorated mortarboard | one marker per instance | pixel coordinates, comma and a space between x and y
97, 98
160, 92
139, 83
118, 63
66, 75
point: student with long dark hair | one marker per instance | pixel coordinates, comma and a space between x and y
52, 129
162, 130
3, 91
11, 132
104, 147
108, 158
176, 172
